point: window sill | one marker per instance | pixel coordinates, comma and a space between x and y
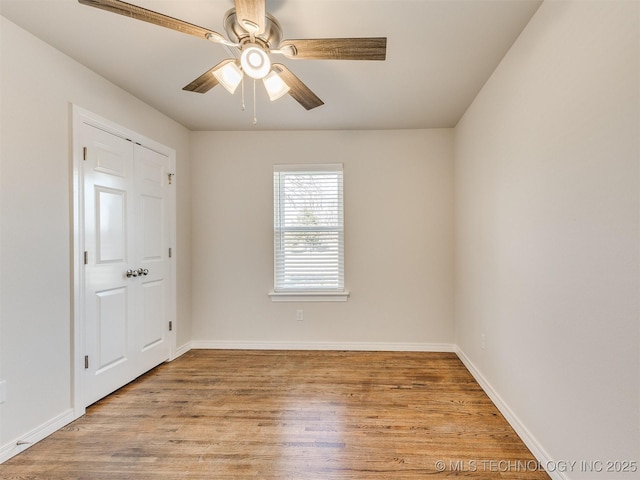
309, 296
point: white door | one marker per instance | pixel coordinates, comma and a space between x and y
151, 244
126, 231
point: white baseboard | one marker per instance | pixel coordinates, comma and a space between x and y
22, 443
181, 350
353, 346
525, 435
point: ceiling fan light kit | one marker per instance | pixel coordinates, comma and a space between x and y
253, 34
275, 86
255, 62
229, 76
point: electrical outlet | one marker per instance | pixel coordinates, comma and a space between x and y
3, 391
299, 315
483, 341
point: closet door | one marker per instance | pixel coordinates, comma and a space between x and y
126, 286
151, 245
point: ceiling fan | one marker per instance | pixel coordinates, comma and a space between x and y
252, 35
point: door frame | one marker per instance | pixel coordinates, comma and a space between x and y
80, 117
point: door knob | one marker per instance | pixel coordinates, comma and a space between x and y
137, 273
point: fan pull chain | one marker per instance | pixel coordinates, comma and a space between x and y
242, 90
255, 117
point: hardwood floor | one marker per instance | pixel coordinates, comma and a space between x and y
282, 415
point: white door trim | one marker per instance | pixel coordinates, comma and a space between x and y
81, 116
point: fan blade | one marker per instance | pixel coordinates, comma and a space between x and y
298, 90
139, 13
251, 14
207, 80
374, 48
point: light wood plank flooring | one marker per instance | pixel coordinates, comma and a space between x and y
282, 415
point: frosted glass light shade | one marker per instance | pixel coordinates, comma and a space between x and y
229, 76
275, 86
255, 62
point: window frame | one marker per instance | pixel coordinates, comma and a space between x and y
308, 294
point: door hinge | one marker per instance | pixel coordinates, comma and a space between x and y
170, 326
170, 252
86, 361
170, 175
86, 257
84, 153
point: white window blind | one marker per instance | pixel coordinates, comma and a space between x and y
308, 228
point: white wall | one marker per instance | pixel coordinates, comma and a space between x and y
38, 86
547, 231
398, 239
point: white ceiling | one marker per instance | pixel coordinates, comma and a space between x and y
439, 55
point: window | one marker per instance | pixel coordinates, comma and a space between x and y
308, 232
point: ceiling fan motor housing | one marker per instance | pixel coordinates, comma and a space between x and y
269, 39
